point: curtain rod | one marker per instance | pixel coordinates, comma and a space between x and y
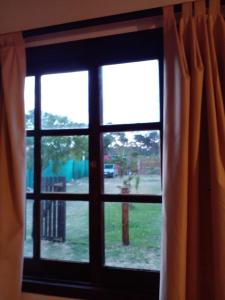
89, 32
94, 22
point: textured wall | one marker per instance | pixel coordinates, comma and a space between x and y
27, 14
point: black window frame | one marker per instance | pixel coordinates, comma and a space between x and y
92, 280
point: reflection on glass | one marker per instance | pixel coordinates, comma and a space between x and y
65, 166
28, 242
65, 230
132, 235
29, 101
64, 100
29, 164
132, 162
131, 92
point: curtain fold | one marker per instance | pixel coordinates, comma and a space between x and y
12, 164
193, 247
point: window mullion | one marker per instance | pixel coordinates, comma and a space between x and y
96, 216
37, 167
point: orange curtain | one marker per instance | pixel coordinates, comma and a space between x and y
193, 250
12, 164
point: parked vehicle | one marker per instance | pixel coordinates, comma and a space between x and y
110, 170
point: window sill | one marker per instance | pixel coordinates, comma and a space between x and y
85, 290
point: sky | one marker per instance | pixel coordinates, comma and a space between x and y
130, 93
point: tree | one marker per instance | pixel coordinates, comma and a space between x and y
30, 153
58, 149
126, 150
116, 145
108, 140
149, 142
29, 119
50, 121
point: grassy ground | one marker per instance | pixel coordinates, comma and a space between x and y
143, 251
148, 184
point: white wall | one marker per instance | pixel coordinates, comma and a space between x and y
16, 15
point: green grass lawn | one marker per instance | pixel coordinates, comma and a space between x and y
143, 251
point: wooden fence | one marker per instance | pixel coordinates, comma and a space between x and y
53, 212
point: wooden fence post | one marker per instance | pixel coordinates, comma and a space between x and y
125, 218
125, 223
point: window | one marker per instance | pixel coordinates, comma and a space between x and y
93, 176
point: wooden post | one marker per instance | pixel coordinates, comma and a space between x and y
125, 223
125, 218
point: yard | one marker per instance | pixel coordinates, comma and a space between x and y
143, 251
148, 184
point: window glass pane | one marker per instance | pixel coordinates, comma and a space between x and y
65, 166
132, 163
29, 101
131, 92
65, 230
64, 100
29, 164
28, 243
133, 235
